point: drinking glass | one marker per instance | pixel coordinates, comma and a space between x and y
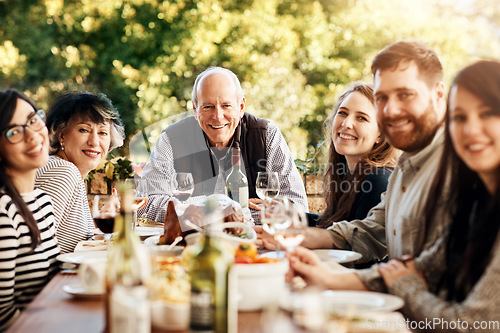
182, 185
290, 235
275, 216
267, 185
104, 213
140, 199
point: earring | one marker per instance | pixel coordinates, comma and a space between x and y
62, 146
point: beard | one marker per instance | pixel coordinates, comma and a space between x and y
424, 129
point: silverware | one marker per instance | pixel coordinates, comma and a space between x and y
176, 240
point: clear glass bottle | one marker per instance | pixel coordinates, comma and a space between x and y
236, 181
209, 270
127, 273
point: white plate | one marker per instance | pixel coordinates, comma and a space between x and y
78, 257
337, 301
162, 249
339, 256
145, 232
274, 255
78, 291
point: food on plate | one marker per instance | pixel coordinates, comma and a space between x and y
145, 222
236, 232
169, 281
247, 250
246, 253
175, 225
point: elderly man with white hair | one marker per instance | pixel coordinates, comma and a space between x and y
201, 144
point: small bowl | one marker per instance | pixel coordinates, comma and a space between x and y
260, 285
169, 315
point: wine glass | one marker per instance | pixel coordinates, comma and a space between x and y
290, 235
182, 185
275, 216
104, 213
267, 184
140, 199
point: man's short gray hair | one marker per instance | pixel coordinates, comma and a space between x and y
213, 70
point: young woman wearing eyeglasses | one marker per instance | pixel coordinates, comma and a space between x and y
28, 244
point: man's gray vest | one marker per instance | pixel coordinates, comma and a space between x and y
191, 153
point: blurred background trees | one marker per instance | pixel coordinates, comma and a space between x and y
293, 57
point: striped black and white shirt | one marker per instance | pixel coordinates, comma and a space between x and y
63, 182
24, 272
158, 172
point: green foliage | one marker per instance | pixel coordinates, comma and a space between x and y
294, 57
117, 168
311, 165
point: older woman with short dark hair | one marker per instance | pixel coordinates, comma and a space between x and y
83, 128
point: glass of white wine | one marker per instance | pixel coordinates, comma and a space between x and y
275, 216
293, 233
267, 184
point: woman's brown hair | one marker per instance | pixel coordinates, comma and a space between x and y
383, 155
473, 232
8, 104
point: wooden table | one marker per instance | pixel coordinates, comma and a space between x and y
55, 311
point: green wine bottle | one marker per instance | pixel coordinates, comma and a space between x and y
209, 269
236, 181
127, 272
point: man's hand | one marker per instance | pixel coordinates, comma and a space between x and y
264, 239
254, 203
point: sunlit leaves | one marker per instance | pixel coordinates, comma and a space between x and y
11, 62
294, 57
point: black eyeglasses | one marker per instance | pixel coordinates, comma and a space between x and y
15, 133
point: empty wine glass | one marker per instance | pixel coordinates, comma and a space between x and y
267, 184
104, 213
182, 185
290, 235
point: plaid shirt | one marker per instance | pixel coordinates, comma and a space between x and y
160, 168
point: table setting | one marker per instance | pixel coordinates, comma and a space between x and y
257, 288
